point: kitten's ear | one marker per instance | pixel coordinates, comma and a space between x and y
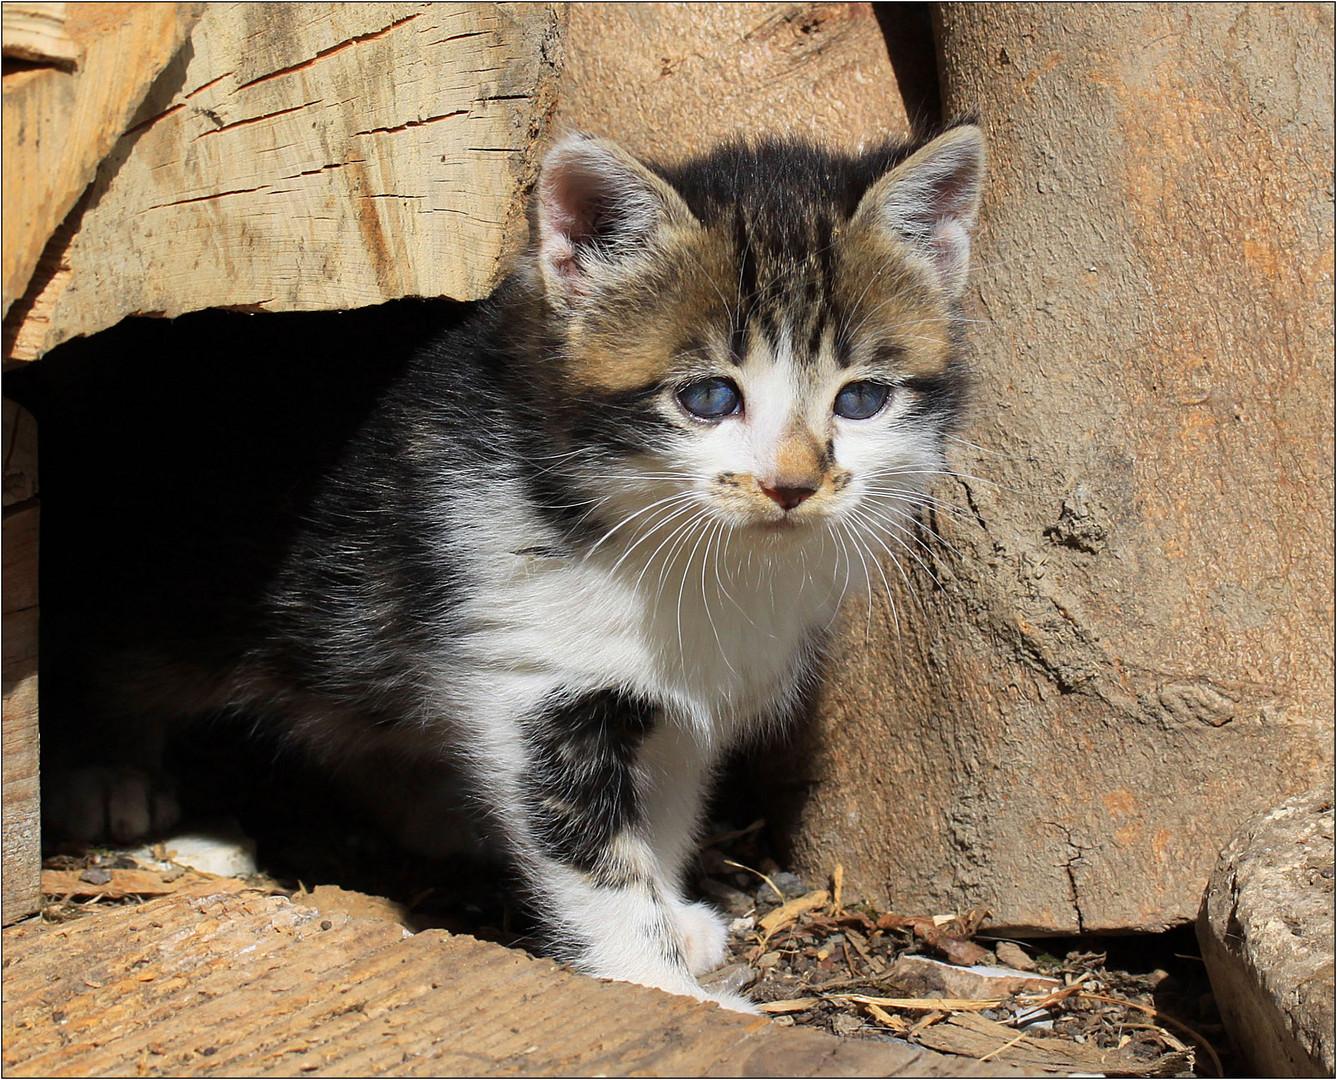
930, 201
597, 207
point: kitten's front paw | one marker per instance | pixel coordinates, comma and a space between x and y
733, 1002
98, 803
705, 937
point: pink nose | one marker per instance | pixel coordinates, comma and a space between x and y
787, 497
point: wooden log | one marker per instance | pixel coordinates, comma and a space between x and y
670, 80
1128, 648
60, 121
310, 156
20, 805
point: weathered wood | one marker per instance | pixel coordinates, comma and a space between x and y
20, 439
1128, 648
221, 981
20, 804
60, 122
977, 1037
1266, 931
118, 884
310, 156
669, 80
36, 32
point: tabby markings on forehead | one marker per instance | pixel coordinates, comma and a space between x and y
659, 322
888, 300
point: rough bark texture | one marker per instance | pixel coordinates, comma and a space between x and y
670, 80
273, 165
1128, 649
1266, 931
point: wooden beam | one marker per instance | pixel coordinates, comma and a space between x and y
20, 804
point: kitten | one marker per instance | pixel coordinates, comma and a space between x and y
596, 534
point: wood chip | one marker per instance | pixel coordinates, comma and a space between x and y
116, 884
790, 1005
886, 1019
976, 1037
948, 1004
788, 913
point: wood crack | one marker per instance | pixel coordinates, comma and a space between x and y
258, 119
323, 53
205, 198
413, 123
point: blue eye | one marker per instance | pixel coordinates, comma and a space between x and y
860, 400
710, 399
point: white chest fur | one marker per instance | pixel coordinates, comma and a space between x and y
721, 630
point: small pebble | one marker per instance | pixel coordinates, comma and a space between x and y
742, 924
844, 1024
790, 884
768, 960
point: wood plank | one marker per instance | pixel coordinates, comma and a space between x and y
59, 123
20, 803
220, 981
116, 884
311, 156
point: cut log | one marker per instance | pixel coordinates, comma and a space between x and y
309, 156
1123, 646
60, 121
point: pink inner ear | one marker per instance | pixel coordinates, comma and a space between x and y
565, 217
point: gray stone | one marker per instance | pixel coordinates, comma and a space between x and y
1266, 931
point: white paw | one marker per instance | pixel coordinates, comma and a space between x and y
731, 1001
705, 937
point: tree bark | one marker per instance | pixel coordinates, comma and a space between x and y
1121, 645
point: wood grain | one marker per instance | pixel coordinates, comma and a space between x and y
60, 121
669, 80
310, 156
220, 981
20, 804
